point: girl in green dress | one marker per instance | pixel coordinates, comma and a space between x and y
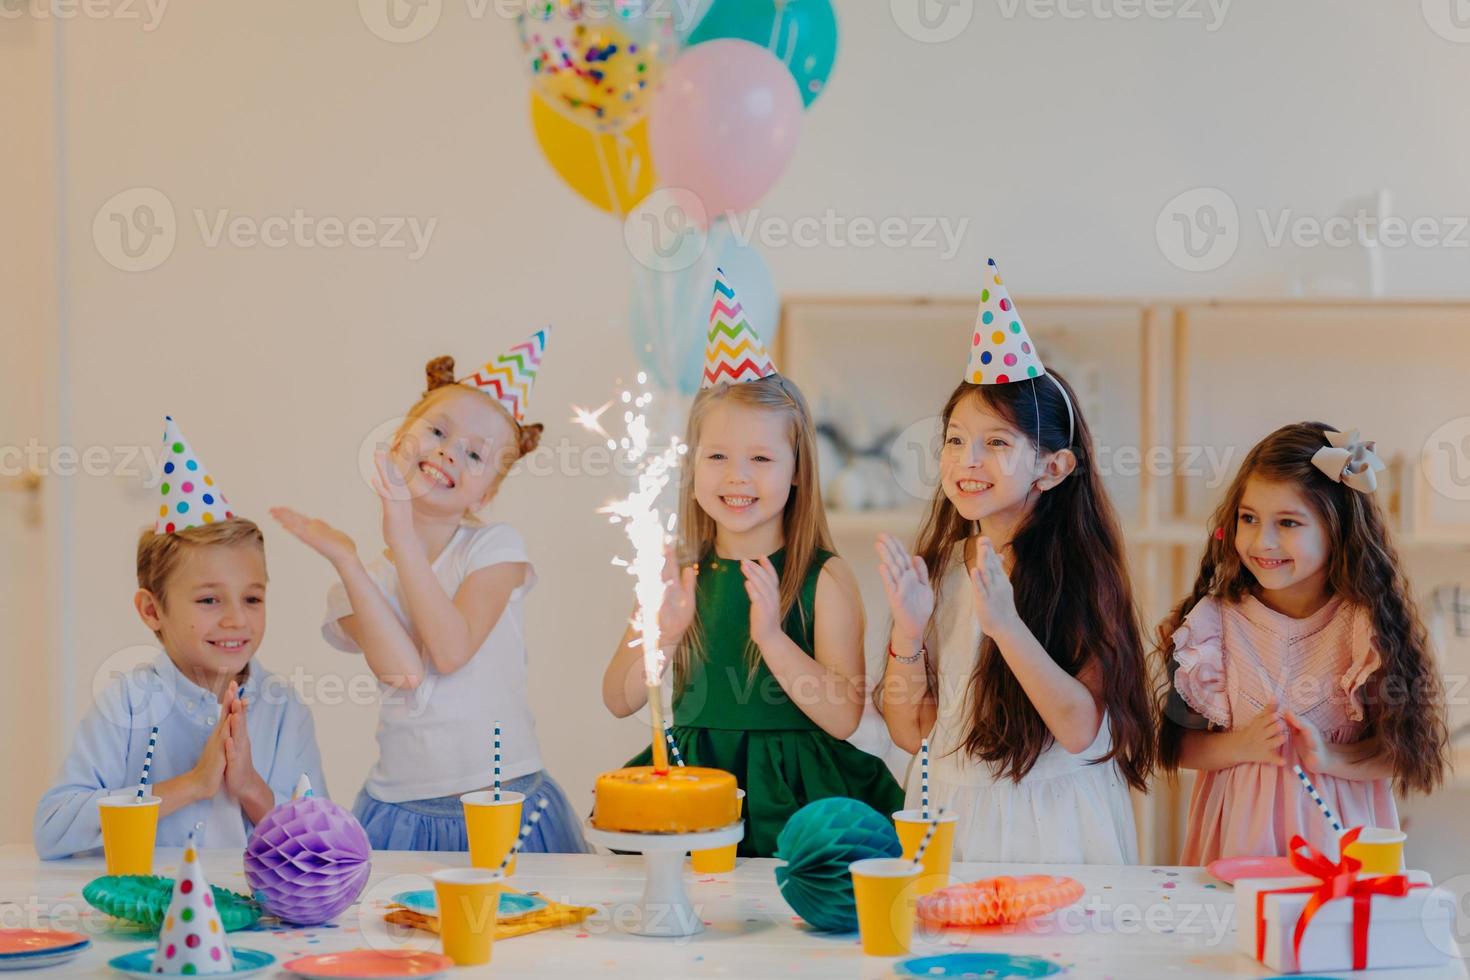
765, 628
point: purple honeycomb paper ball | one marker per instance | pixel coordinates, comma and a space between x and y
307, 861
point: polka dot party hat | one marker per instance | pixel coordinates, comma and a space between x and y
733, 352
1000, 349
189, 497
192, 938
509, 377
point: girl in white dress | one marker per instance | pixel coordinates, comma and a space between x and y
1014, 644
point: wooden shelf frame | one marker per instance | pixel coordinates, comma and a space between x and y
1164, 540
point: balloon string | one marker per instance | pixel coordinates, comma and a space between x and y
628, 155
714, 246
776, 35
668, 355
609, 182
643, 283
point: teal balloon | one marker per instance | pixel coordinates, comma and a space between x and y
802, 33
817, 844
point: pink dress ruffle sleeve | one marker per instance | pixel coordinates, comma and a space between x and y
1200, 679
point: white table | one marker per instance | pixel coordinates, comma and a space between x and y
1133, 923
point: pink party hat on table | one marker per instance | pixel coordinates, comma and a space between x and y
733, 351
509, 377
189, 495
192, 938
1001, 350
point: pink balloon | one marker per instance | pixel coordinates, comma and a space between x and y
725, 124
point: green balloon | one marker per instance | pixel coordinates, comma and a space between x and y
802, 33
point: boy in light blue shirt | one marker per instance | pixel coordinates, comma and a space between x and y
233, 738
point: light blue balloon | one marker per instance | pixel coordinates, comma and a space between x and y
669, 314
802, 33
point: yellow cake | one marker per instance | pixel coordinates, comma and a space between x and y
686, 799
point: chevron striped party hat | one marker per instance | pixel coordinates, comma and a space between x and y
189, 495
1001, 350
733, 352
509, 377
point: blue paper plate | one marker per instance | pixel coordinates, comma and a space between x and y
977, 965
248, 962
40, 958
513, 905
48, 951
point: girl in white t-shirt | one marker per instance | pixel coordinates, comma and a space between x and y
440, 617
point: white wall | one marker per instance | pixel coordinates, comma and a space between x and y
1060, 140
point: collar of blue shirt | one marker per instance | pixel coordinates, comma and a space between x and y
198, 703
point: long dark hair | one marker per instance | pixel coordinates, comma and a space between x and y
1071, 587
1363, 568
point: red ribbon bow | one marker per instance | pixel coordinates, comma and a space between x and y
1336, 880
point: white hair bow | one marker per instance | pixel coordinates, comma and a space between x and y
1349, 460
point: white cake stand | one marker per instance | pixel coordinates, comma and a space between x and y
665, 910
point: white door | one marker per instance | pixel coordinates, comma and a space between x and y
30, 727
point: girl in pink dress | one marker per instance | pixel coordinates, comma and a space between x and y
1300, 644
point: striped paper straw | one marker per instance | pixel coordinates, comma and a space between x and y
525, 832
669, 737
924, 775
1316, 798
147, 764
497, 762
928, 836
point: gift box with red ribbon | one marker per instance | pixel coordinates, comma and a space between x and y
1334, 918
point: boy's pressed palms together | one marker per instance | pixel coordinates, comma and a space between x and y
209, 771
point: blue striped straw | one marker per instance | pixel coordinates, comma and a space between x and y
924, 775
1316, 798
497, 762
928, 836
525, 832
147, 764
669, 737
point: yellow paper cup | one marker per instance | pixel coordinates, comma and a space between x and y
886, 893
492, 827
719, 860
129, 829
912, 827
1380, 850
468, 900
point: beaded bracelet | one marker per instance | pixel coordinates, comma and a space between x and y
907, 660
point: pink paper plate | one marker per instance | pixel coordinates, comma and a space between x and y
360, 964
21, 941
1230, 869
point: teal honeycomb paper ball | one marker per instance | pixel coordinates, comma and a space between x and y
817, 844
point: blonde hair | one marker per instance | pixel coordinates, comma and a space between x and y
803, 523
159, 555
439, 377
